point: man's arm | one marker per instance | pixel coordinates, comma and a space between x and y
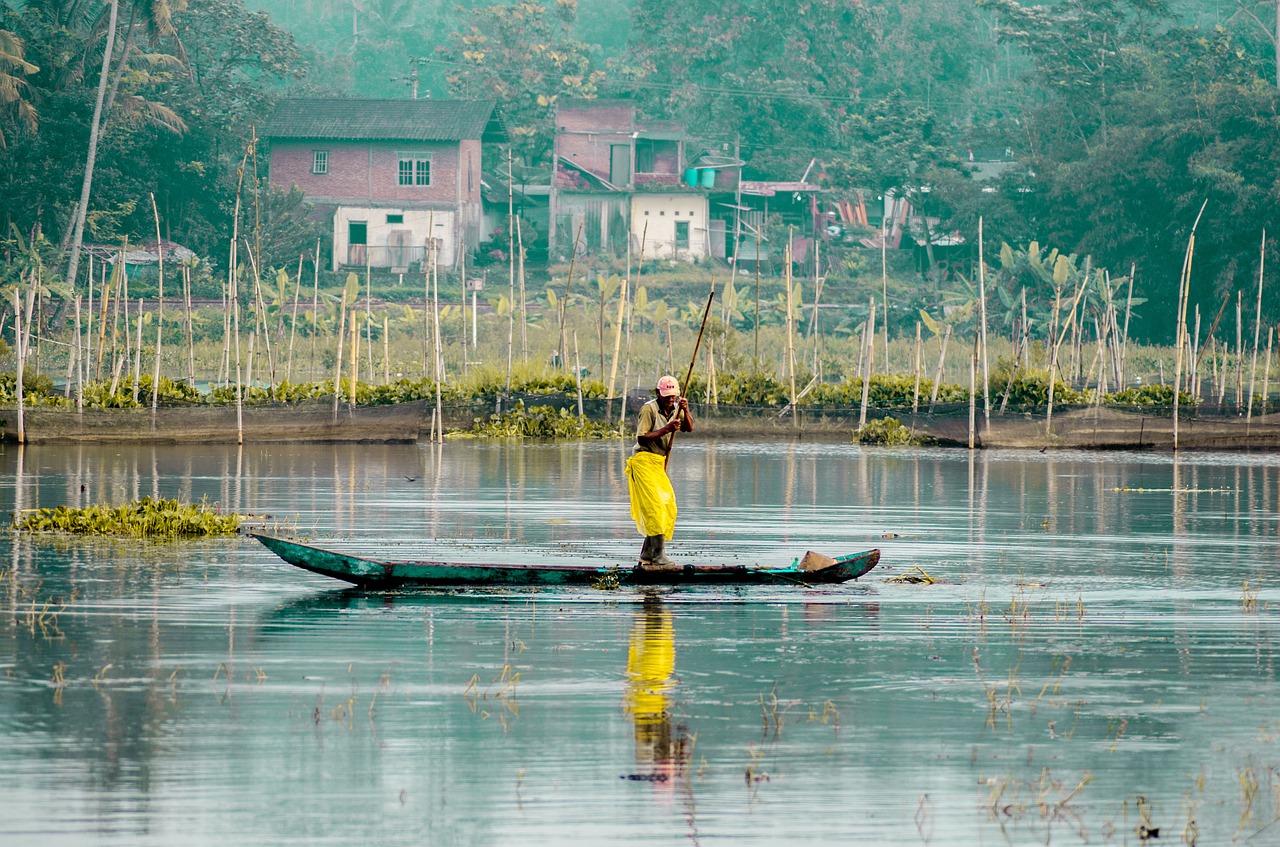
684, 416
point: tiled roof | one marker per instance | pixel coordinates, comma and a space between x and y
380, 120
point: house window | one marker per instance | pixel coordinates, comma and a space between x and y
646, 160
682, 235
395, 219
414, 169
320, 161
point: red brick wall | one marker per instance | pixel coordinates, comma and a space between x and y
369, 171
585, 133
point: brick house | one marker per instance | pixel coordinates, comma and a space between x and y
620, 178
400, 178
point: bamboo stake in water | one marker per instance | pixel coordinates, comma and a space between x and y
155, 379
1257, 323
80, 367
915, 394
21, 365
315, 310
791, 358
293, 322
982, 301
617, 334
870, 369
188, 326
137, 361
524, 300
355, 355
937, 377
973, 397
577, 372
1184, 295
88, 340
511, 264
757, 326
1124, 340
337, 368
439, 353
1239, 351
1266, 373
368, 311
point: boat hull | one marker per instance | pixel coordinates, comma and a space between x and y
378, 574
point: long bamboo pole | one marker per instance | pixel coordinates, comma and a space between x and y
293, 323
791, 358
937, 377
915, 394
693, 360
1266, 371
79, 354
1257, 324
137, 360
188, 325
982, 300
870, 368
337, 367
511, 265
1124, 341
155, 378
315, 310
577, 372
1184, 295
20, 366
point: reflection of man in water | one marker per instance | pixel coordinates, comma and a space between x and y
651, 662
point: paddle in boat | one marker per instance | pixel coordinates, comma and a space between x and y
810, 569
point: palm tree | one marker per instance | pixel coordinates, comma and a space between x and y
12, 86
154, 19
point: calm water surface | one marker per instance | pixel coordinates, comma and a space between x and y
1097, 660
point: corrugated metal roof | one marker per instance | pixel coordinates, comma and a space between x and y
380, 120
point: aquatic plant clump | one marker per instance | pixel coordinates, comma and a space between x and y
145, 518
542, 422
887, 432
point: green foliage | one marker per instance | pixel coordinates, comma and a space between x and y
145, 518
542, 422
888, 432
37, 389
1148, 396
1031, 388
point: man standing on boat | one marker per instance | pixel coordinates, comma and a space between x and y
653, 500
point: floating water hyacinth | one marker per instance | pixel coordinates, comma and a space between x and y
145, 518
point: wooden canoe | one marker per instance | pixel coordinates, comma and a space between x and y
812, 569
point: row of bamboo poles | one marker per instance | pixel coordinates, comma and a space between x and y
91, 351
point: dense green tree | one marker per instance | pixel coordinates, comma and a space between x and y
1131, 122
527, 57
780, 79
16, 110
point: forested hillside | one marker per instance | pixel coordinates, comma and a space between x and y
1116, 119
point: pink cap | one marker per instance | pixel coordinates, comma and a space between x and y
668, 387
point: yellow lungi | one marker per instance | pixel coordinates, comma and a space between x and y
653, 500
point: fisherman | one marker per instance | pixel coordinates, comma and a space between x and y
653, 501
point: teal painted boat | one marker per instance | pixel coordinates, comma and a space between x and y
810, 569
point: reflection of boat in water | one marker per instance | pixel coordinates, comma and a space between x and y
663, 748
811, 569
